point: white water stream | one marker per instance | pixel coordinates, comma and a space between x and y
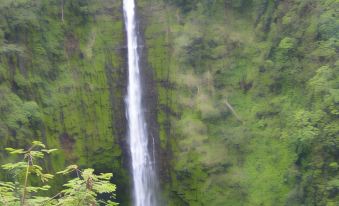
144, 175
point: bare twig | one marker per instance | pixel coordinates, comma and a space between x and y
229, 106
55, 196
26, 180
62, 11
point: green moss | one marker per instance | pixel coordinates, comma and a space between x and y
65, 74
250, 60
247, 94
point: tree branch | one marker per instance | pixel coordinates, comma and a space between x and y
229, 106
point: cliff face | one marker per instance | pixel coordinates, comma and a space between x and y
247, 100
63, 81
244, 93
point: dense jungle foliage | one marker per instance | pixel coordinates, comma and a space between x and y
58, 79
247, 94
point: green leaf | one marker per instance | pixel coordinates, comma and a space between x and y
36, 189
47, 177
104, 187
110, 203
68, 169
37, 167
15, 151
48, 151
11, 166
87, 173
105, 176
7, 185
37, 154
38, 143
9, 149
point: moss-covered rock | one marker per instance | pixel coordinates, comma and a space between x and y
232, 80
63, 81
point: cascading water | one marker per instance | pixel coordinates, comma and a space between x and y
144, 175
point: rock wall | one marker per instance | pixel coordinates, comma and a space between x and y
241, 90
63, 82
241, 95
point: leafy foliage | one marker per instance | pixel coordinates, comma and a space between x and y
58, 80
81, 190
275, 64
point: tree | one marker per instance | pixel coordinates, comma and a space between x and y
82, 190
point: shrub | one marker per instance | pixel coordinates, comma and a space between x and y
82, 190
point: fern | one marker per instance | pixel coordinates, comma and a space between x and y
82, 190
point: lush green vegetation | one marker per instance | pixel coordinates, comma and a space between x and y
58, 80
248, 100
81, 190
247, 105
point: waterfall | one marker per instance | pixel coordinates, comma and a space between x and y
144, 175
